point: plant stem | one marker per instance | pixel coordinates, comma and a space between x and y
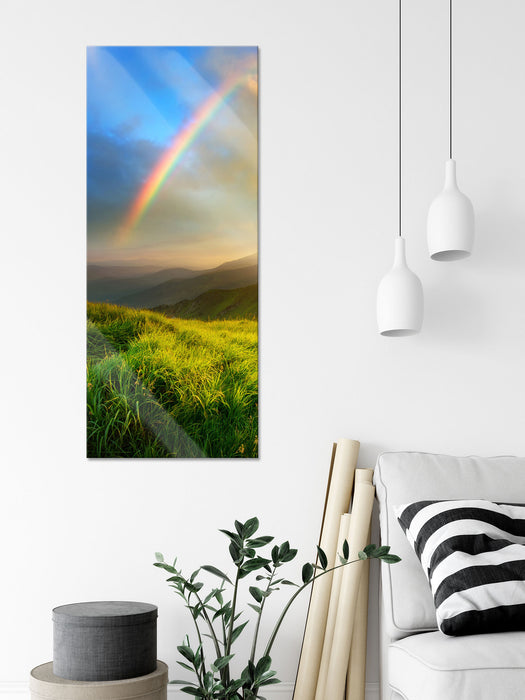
199, 674
232, 620
210, 626
256, 633
299, 590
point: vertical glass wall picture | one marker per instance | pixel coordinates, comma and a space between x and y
172, 273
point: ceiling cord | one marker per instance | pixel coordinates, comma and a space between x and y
400, 117
450, 76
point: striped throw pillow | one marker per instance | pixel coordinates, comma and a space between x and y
473, 554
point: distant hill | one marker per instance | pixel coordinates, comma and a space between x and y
240, 262
97, 272
216, 304
117, 283
176, 290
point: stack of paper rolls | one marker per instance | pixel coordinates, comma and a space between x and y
349, 617
340, 647
337, 502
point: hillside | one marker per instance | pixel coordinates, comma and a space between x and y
161, 387
176, 290
216, 304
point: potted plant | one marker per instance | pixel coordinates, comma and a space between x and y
216, 616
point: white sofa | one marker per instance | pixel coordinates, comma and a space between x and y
418, 662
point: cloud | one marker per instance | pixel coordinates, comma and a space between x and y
206, 210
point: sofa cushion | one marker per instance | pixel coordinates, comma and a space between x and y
473, 554
477, 667
402, 477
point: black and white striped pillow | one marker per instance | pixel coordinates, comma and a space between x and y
473, 554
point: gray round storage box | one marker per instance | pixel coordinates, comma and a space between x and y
104, 641
44, 685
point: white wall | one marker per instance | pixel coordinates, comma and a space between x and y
75, 530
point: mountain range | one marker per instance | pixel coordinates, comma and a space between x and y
149, 287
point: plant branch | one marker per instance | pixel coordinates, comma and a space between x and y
256, 633
289, 603
232, 620
199, 675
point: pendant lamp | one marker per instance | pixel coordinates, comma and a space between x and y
450, 222
400, 294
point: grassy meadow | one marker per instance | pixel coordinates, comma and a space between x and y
170, 387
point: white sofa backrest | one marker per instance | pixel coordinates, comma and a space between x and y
403, 477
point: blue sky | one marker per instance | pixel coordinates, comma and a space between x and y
138, 99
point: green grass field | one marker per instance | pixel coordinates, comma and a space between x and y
170, 387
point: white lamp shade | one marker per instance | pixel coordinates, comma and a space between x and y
450, 223
400, 298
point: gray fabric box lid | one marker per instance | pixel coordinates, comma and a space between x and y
104, 640
107, 613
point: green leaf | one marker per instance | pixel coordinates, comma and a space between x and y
236, 632
275, 555
235, 553
222, 661
289, 555
342, 560
198, 657
193, 587
270, 681
369, 549
240, 529
234, 686
180, 682
166, 567
263, 666
307, 572
285, 547
217, 572
250, 527
197, 692
285, 582
346, 549
260, 541
380, 551
390, 558
323, 560
234, 537
222, 611
256, 593
254, 564
186, 652
257, 608
185, 666
362, 556
159, 557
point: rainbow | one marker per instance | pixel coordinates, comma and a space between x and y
174, 153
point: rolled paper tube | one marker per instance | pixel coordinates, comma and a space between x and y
332, 611
342, 640
337, 503
364, 475
356, 679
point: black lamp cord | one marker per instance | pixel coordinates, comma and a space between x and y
450, 76
400, 118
